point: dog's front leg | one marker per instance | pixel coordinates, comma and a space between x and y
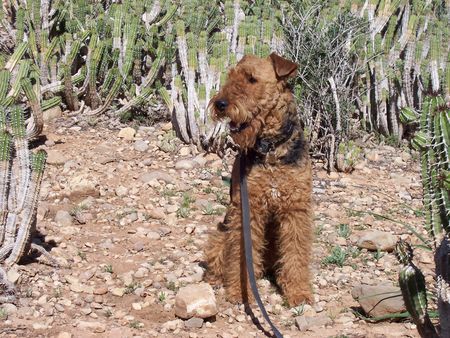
235, 271
295, 251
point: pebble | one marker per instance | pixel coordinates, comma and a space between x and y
195, 323
63, 218
127, 133
141, 146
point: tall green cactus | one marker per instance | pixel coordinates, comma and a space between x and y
208, 43
18, 201
433, 142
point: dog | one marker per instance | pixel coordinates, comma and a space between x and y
263, 122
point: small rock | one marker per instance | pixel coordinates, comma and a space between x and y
40, 326
141, 146
185, 165
9, 308
121, 191
56, 157
306, 323
379, 300
127, 133
136, 306
13, 275
156, 175
63, 218
194, 323
118, 292
377, 240
92, 326
153, 235
64, 335
101, 290
184, 151
166, 126
82, 185
172, 325
195, 300
372, 155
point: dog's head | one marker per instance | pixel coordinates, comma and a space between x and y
254, 90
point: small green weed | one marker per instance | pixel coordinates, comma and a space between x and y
135, 324
377, 255
298, 310
130, 288
185, 207
3, 314
210, 210
344, 230
162, 296
337, 257
82, 255
108, 268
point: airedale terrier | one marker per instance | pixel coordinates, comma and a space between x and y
264, 123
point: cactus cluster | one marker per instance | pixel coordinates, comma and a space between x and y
209, 40
21, 174
407, 56
433, 142
91, 54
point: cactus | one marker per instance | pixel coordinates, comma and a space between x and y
433, 142
227, 35
18, 201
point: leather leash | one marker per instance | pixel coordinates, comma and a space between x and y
248, 242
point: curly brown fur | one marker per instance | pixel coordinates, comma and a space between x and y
264, 123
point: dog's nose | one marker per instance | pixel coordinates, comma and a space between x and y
221, 104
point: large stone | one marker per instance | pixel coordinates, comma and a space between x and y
63, 218
127, 133
196, 300
379, 300
156, 175
56, 157
377, 240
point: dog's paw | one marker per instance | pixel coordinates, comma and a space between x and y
295, 299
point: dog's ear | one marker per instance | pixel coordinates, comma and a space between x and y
283, 67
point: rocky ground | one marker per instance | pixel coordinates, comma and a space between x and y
127, 215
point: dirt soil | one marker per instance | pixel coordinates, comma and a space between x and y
128, 220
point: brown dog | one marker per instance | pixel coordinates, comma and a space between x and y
265, 125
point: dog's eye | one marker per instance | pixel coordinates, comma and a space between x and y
251, 79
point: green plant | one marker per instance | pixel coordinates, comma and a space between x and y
130, 288
298, 310
338, 256
108, 268
433, 141
108, 313
3, 314
344, 230
208, 209
82, 255
172, 286
185, 207
162, 296
21, 172
135, 324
